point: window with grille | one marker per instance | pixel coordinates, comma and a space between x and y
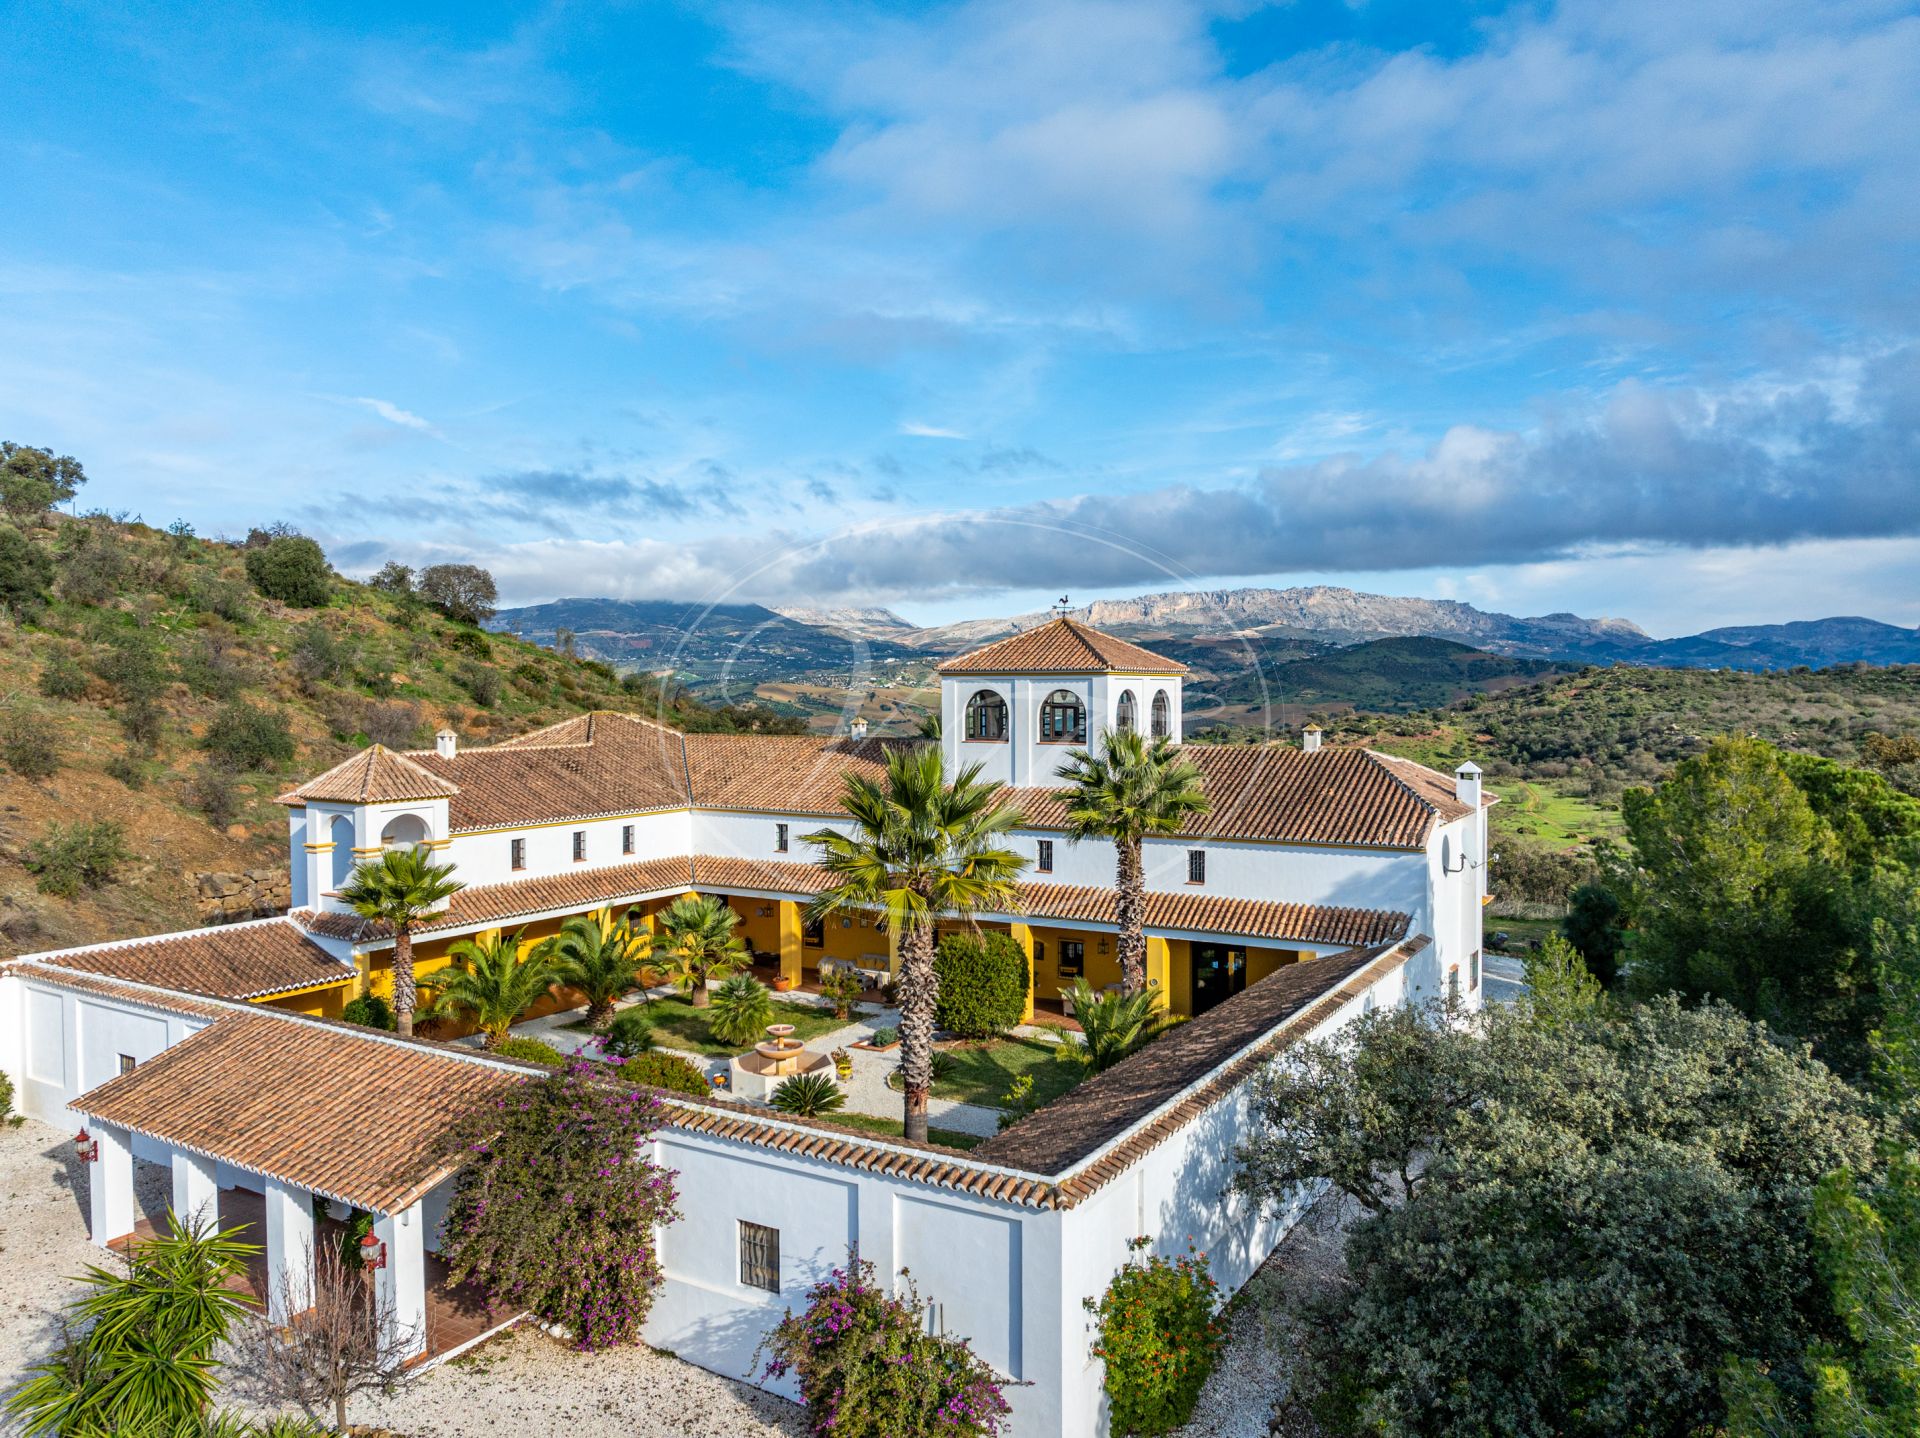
518, 849
126, 1063
780, 838
760, 1256
1196, 866
579, 845
1045, 862
987, 717
626, 839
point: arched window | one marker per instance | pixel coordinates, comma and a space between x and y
1063, 719
1162, 715
986, 716
342, 835
403, 831
1123, 715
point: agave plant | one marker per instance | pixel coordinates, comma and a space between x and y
742, 1008
808, 1096
1112, 1026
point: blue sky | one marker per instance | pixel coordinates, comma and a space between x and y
1601, 307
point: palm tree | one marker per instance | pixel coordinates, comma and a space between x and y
1112, 1026
399, 889
603, 958
697, 936
494, 984
921, 848
1134, 788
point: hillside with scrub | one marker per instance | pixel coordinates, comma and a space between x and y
158, 689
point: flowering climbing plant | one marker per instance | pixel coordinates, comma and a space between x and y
1159, 1334
868, 1368
558, 1209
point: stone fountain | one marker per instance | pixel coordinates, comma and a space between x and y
774, 1060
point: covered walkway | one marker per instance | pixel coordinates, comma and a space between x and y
458, 1315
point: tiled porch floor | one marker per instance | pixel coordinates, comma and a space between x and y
456, 1313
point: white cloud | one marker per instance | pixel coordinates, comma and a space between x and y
393, 414
928, 431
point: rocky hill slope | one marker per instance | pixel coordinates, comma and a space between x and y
153, 700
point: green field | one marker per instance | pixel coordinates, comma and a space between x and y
1536, 809
982, 1071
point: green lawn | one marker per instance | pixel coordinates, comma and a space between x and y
982, 1071
893, 1128
1540, 811
677, 1024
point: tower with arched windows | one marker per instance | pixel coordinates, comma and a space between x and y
1019, 706
375, 801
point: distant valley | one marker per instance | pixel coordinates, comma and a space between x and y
1258, 656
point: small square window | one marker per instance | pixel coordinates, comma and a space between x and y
579, 845
1196, 866
760, 1256
126, 1063
518, 849
780, 838
1045, 861
626, 839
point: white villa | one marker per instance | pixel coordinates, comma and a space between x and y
1324, 882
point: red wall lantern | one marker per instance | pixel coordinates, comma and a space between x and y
373, 1253
86, 1146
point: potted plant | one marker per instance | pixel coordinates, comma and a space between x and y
843, 1064
783, 985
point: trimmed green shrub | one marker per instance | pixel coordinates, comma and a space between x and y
742, 1007
983, 984
629, 1035
70, 858
292, 569
1159, 1337
659, 1069
243, 737
369, 1011
531, 1051
807, 1096
884, 1035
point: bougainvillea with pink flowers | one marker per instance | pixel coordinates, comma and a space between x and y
557, 1208
867, 1367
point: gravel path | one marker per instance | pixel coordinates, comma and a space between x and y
523, 1384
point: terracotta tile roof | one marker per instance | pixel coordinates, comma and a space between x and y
348, 1114
1142, 1101
588, 767
1219, 914
375, 775
167, 1000
1210, 913
797, 774
1062, 646
235, 961
489, 904
1274, 792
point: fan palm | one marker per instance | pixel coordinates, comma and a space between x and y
698, 939
399, 889
1112, 1026
742, 1009
604, 958
493, 985
1134, 788
920, 848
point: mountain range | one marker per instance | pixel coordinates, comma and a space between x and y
1318, 643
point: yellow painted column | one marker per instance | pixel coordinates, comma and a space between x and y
1023, 936
1159, 971
789, 920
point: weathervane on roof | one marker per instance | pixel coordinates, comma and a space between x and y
1062, 609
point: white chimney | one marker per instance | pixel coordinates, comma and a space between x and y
1466, 785
446, 743
1310, 739
857, 728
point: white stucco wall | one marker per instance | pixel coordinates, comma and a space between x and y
1022, 759
487, 858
